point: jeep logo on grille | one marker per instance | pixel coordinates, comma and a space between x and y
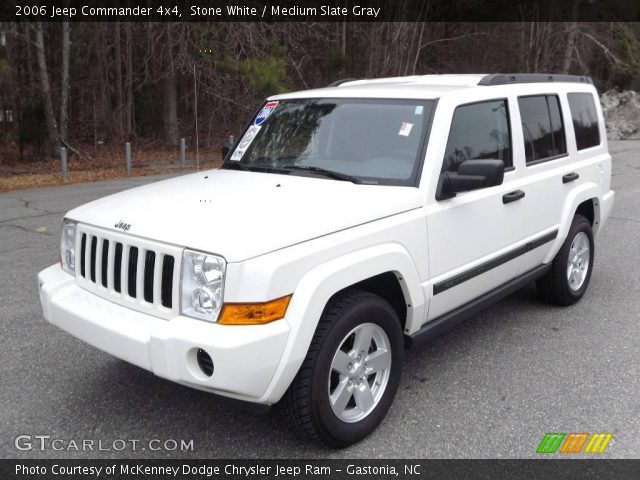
122, 225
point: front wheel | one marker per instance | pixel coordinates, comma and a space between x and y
351, 373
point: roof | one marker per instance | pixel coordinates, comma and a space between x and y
426, 86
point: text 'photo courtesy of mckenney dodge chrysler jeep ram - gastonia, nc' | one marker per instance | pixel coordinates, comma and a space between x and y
346, 224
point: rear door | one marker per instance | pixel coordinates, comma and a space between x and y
545, 152
562, 145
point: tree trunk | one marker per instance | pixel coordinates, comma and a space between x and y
343, 38
64, 84
119, 91
568, 52
52, 127
129, 81
418, 47
170, 96
105, 113
571, 40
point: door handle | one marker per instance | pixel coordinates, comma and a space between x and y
570, 177
512, 196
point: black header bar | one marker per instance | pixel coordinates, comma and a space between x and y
318, 11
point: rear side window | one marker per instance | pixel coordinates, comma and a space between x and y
585, 120
542, 128
479, 131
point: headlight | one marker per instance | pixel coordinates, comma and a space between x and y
68, 246
202, 285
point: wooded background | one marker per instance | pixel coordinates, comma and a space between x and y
90, 84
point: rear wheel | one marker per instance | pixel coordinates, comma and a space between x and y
351, 373
568, 279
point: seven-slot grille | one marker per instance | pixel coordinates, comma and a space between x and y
134, 272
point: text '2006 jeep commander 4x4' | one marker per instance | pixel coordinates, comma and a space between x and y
345, 224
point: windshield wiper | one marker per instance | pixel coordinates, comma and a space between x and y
234, 165
324, 172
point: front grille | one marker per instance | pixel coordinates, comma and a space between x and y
130, 271
167, 275
133, 272
105, 260
149, 267
94, 247
117, 268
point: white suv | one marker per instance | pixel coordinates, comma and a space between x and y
347, 223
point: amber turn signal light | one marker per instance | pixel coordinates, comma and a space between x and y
254, 313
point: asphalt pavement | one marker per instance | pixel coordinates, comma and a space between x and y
490, 388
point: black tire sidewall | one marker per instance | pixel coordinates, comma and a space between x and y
580, 224
333, 430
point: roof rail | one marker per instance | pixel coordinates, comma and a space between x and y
340, 82
506, 78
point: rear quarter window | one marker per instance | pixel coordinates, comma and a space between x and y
585, 120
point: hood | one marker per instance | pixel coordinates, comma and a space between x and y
240, 214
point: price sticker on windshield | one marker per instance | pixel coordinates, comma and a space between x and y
405, 129
246, 141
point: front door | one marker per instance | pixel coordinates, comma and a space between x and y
474, 237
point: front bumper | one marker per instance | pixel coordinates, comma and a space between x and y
245, 358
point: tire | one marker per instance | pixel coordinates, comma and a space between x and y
557, 285
307, 406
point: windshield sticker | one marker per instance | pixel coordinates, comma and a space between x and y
245, 142
419, 109
405, 129
265, 112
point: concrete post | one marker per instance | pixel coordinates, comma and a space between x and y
127, 152
183, 153
65, 166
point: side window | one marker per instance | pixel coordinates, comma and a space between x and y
585, 119
542, 127
479, 131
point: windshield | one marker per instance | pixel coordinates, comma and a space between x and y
371, 141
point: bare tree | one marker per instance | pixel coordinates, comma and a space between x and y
170, 92
119, 112
571, 38
128, 81
64, 82
52, 126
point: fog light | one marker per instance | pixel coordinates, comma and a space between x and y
205, 362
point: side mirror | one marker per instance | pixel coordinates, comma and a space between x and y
471, 175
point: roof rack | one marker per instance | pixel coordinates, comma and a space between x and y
506, 78
340, 82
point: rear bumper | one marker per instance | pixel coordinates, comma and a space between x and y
245, 358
